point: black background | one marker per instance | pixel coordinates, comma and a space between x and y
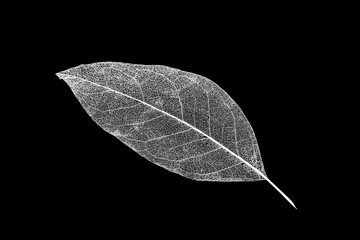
264, 59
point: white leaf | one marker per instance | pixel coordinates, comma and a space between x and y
180, 121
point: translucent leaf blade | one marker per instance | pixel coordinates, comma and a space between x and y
180, 121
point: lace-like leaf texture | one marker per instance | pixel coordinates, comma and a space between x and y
180, 121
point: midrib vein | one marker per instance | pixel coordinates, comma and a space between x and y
64, 76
